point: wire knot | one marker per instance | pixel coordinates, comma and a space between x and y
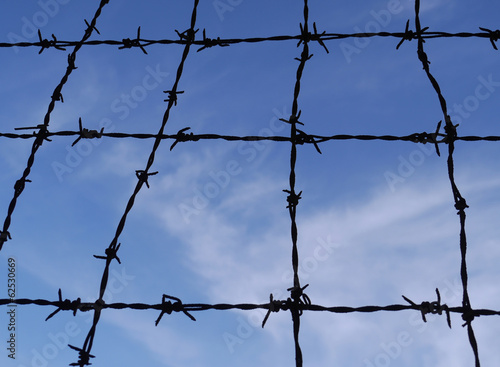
143, 176
19, 186
211, 42
71, 62
299, 297
65, 305
494, 36
57, 96
85, 133
45, 43
407, 36
430, 138
4, 236
306, 36
276, 306
292, 198
167, 307
304, 56
293, 119
111, 253
172, 96
41, 135
128, 43
83, 357
90, 28
188, 35
450, 130
181, 137
468, 316
302, 138
460, 204
431, 307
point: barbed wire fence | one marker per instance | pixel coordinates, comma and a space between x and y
298, 302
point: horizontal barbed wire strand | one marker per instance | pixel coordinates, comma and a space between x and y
303, 138
279, 305
142, 43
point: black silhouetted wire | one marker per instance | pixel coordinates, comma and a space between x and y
207, 42
168, 307
142, 176
296, 291
41, 135
298, 301
460, 203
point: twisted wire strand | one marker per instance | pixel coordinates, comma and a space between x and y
143, 43
460, 203
77, 305
142, 175
41, 135
423, 138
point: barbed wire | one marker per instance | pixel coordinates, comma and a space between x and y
142, 43
298, 301
301, 138
460, 202
425, 307
41, 135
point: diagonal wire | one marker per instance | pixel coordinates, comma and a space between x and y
142, 175
41, 135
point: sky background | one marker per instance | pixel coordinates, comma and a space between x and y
376, 219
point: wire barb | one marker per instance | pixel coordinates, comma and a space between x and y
128, 43
65, 305
210, 42
432, 307
90, 27
494, 36
86, 133
45, 43
188, 35
292, 198
303, 138
143, 176
276, 306
172, 96
111, 253
181, 136
83, 357
167, 307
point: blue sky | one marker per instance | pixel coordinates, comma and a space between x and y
376, 220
